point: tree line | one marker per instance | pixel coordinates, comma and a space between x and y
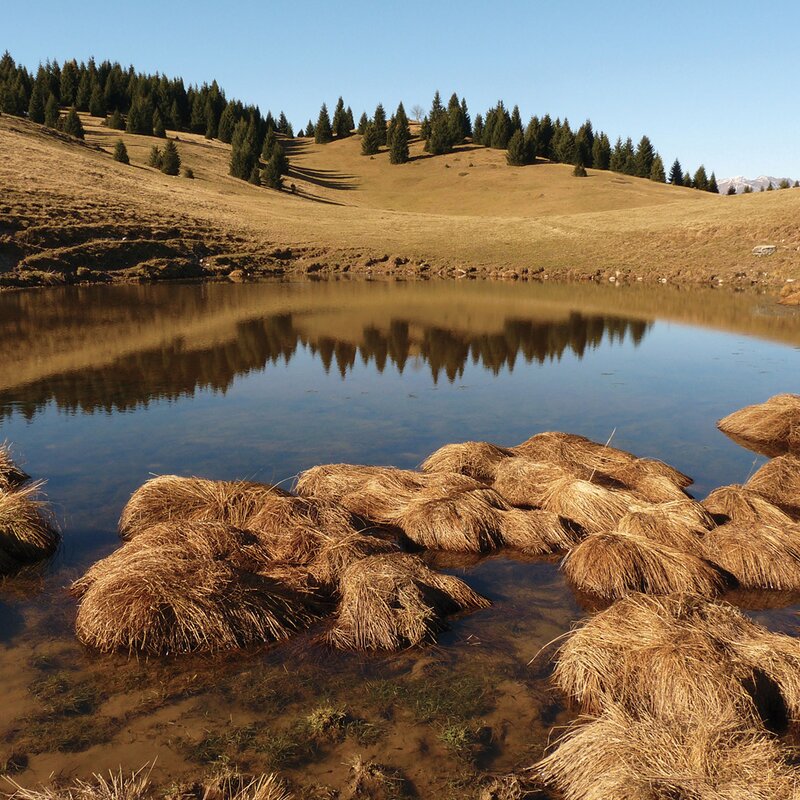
148, 104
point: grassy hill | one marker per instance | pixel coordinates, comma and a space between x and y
69, 213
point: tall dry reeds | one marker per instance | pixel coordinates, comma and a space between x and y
11, 474
679, 524
393, 601
740, 504
772, 427
28, 531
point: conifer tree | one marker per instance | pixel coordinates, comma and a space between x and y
676, 174
270, 140
498, 127
645, 154
516, 120
227, 122
700, 180
379, 121
439, 141
154, 157
69, 83
244, 149
51, 114
579, 171
283, 124
97, 103
565, 148
584, 144
628, 157
255, 176
271, 174
310, 130
465, 120
170, 159
747, 189
455, 121
349, 120
340, 120
362, 124
116, 122
657, 170
322, 131
84, 91
401, 134
158, 126
278, 156
545, 137
517, 154
617, 160
477, 129
601, 152
36, 105
72, 124
731, 190
369, 141
712, 184
121, 152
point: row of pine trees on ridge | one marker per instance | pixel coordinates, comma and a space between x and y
148, 104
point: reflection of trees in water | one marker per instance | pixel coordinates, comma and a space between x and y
175, 370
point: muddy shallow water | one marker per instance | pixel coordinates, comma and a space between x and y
101, 388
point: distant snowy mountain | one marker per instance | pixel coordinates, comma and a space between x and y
756, 184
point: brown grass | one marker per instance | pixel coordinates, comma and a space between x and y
772, 427
621, 756
779, 482
478, 460
611, 565
595, 508
27, 529
171, 497
393, 601
743, 505
525, 482
758, 556
165, 599
11, 476
336, 554
680, 524
537, 532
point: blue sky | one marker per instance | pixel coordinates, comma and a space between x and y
711, 81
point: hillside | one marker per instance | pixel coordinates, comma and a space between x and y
69, 213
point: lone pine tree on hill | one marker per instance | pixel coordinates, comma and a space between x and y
121, 152
170, 159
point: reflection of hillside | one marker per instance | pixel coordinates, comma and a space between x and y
176, 370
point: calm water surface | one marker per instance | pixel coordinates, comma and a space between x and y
101, 388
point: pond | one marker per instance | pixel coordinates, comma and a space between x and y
102, 387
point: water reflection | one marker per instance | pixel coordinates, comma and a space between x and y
178, 369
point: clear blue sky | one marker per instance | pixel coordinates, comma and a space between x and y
712, 81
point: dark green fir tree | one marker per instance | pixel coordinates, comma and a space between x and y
400, 137
322, 131
121, 152
676, 173
72, 124
170, 159
369, 141
379, 121
51, 113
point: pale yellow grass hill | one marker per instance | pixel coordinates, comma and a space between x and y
65, 208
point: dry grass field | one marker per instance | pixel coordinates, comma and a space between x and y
69, 213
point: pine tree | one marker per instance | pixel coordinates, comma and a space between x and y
227, 122
362, 124
516, 120
731, 190
36, 105
154, 157
645, 154
517, 155
657, 170
369, 141
283, 124
439, 141
270, 141
349, 119
398, 148
310, 130
477, 129
340, 120
51, 114
121, 152
69, 83
244, 149
747, 189
579, 171
379, 121
700, 180
255, 176
601, 152
322, 131
584, 144
565, 149
278, 156
467, 123
712, 184
271, 174
545, 138
116, 122
455, 121
676, 174
158, 126
170, 159
72, 124
97, 102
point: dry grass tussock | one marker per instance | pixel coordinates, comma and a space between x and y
209, 541
779, 482
612, 565
164, 599
171, 497
11, 475
679, 524
525, 482
27, 529
478, 460
137, 786
619, 756
745, 506
683, 657
593, 507
758, 556
771, 428
394, 601
556, 447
